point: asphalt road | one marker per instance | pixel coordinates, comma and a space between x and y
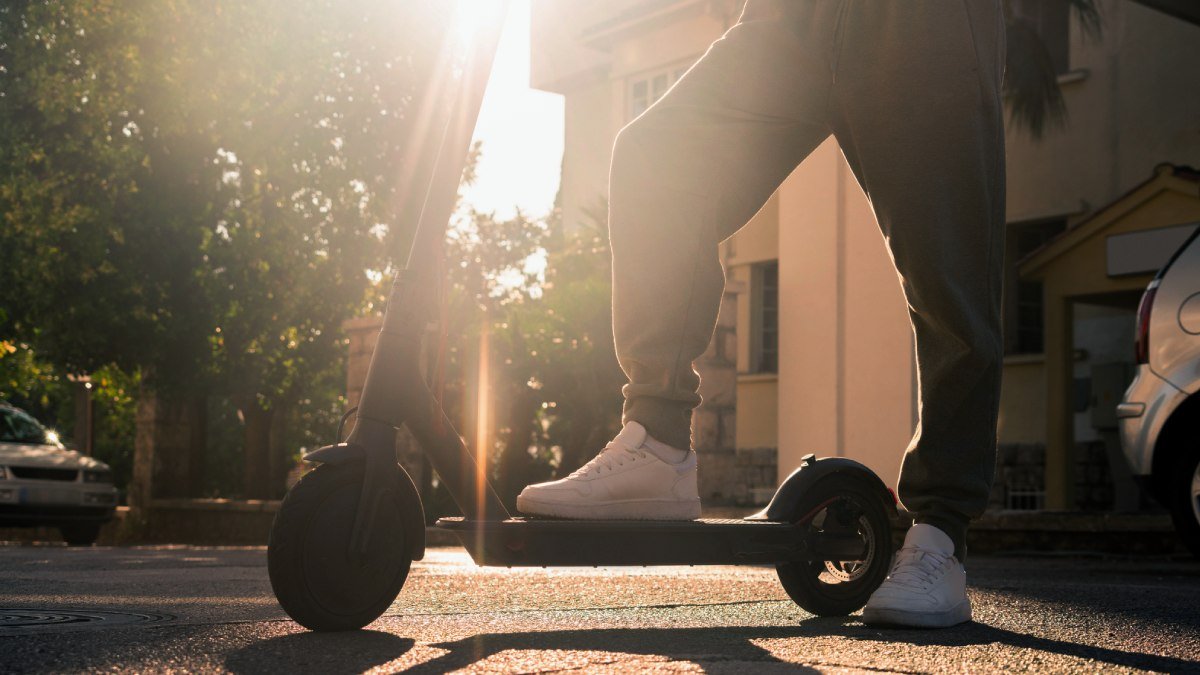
211, 609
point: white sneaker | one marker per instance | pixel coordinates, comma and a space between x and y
626, 481
927, 586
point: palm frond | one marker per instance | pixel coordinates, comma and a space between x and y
1031, 90
1087, 12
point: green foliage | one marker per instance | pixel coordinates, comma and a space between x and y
544, 292
37, 387
197, 192
581, 381
114, 416
99, 243
33, 385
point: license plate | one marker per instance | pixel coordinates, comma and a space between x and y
48, 495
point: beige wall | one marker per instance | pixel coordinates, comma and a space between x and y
1023, 400
757, 393
587, 147
758, 241
845, 380
1133, 103
587, 51
559, 55
757, 411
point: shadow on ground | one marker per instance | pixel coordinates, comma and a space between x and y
712, 647
332, 653
974, 633
708, 647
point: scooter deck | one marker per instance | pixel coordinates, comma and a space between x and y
538, 542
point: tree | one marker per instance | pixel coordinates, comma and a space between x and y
541, 293
197, 192
94, 266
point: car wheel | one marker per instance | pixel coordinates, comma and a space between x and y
81, 534
1185, 499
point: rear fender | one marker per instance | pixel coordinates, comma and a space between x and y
410, 499
787, 498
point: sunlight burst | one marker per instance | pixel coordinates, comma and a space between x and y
471, 16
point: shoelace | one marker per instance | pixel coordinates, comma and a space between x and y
613, 454
917, 567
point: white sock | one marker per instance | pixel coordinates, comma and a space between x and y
666, 453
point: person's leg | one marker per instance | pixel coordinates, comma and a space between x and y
917, 110
689, 172
686, 174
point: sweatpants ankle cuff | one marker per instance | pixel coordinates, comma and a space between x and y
666, 421
955, 529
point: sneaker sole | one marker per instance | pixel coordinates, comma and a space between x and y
881, 616
640, 509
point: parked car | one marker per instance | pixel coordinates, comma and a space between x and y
43, 483
1160, 415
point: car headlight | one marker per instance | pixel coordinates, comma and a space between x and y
97, 476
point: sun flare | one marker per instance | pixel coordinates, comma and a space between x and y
471, 16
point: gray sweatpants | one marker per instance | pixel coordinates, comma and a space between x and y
911, 91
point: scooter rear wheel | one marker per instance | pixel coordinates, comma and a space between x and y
837, 588
318, 581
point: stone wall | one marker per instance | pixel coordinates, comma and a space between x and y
168, 447
727, 475
1021, 479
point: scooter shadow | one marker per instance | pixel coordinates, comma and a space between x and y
716, 649
731, 648
326, 653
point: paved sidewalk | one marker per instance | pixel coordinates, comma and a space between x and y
210, 609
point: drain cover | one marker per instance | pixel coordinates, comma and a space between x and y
30, 619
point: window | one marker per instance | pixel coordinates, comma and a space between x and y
1030, 329
1024, 303
18, 427
765, 318
646, 89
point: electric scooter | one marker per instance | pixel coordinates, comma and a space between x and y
346, 534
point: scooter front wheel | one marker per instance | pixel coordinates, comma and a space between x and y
840, 504
319, 581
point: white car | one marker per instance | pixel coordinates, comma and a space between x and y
43, 483
1160, 415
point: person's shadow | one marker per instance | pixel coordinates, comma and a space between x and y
734, 646
326, 653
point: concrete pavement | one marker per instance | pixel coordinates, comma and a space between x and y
211, 609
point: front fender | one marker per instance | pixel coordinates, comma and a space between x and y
787, 498
337, 454
410, 499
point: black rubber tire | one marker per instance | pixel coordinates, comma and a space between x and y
314, 577
1179, 495
860, 505
80, 534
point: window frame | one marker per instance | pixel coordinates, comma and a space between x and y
764, 317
